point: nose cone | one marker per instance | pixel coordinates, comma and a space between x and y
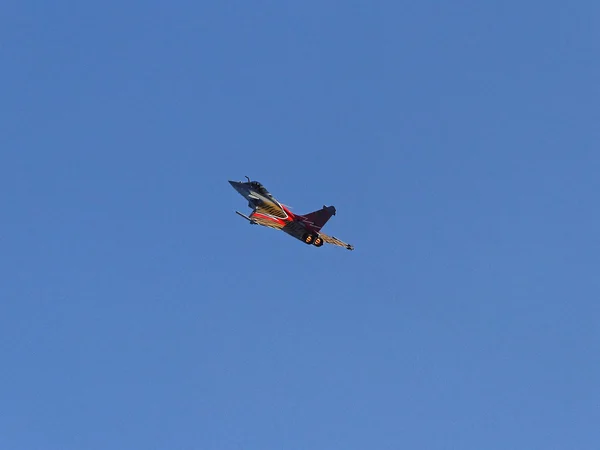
238, 186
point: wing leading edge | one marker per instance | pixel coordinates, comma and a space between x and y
335, 241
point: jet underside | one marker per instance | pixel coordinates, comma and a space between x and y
268, 211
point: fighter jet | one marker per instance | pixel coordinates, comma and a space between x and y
268, 212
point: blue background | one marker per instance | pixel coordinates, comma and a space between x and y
459, 142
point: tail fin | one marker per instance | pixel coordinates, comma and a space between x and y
319, 218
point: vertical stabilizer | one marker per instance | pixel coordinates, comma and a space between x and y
318, 219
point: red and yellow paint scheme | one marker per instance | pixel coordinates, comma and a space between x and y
268, 212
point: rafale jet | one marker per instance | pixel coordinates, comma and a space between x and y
268, 212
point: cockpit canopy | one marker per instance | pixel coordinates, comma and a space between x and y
258, 187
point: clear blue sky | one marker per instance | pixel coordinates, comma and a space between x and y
460, 143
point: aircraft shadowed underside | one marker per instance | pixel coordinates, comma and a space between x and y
268, 212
